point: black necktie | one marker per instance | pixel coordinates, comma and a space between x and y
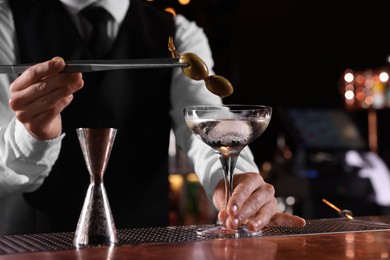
99, 42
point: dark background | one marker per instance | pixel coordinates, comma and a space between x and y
292, 53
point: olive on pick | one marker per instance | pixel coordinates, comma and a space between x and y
219, 85
197, 68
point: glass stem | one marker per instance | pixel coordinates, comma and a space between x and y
228, 162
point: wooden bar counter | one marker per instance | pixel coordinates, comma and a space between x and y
365, 238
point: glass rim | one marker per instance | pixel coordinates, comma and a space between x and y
233, 106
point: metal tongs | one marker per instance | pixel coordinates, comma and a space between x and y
102, 65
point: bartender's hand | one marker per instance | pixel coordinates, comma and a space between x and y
40, 94
252, 203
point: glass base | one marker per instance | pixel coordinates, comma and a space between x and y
220, 231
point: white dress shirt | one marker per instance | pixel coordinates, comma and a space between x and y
25, 161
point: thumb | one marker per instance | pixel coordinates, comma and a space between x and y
287, 220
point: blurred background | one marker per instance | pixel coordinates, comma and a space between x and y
323, 67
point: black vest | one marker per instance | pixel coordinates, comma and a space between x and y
136, 102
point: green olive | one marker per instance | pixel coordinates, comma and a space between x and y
197, 68
219, 86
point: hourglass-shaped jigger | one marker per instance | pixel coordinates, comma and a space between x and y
96, 224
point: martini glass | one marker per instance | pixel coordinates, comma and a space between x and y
96, 224
227, 129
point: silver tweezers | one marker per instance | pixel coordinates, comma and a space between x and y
102, 65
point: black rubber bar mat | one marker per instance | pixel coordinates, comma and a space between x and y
11, 244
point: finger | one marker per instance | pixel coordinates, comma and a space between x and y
222, 215
255, 220
43, 126
41, 117
51, 105
46, 91
38, 72
287, 220
246, 185
219, 195
242, 195
261, 204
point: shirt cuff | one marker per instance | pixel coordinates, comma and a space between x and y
31, 147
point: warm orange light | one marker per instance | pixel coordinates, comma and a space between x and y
360, 96
184, 2
360, 79
191, 177
369, 100
170, 10
176, 181
266, 166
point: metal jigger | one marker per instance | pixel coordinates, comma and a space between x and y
96, 224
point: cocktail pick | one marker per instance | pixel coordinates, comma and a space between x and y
342, 212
